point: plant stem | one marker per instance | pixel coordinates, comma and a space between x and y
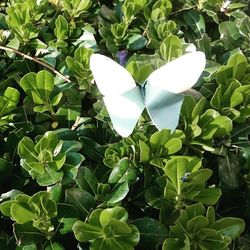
36, 61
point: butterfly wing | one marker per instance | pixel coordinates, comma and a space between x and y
110, 77
125, 110
180, 74
123, 99
163, 86
163, 107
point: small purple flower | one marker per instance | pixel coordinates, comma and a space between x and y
122, 56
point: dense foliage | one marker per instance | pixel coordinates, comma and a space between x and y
68, 181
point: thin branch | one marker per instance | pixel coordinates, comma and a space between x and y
37, 61
184, 9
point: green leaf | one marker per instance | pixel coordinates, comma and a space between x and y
229, 33
217, 98
224, 124
161, 9
28, 83
175, 173
54, 246
9, 101
210, 216
232, 227
173, 145
159, 139
136, 42
239, 135
175, 243
108, 13
76, 7
200, 176
26, 149
204, 43
87, 180
38, 88
55, 191
239, 64
154, 196
198, 108
21, 213
45, 84
49, 141
144, 151
56, 99
13, 43
152, 232
208, 196
188, 106
195, 21
26, 234
49, 177
85, 232
5, 208
196, 224
118, 213
223, 74
126, 236
61, 29
119, 193
170, 48
80, 199
123, 171
214, 240
229, 170
244, 27
180, 227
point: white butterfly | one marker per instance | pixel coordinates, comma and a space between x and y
125, 101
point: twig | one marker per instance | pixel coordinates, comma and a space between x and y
180, 10
37, 61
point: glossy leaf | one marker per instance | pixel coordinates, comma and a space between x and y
80, 199
231, 227
87, 180
195, 21
170, 48
152, 232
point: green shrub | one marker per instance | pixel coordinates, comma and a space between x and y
69, 181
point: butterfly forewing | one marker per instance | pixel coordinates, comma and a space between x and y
110, 77
163, 107
180, 74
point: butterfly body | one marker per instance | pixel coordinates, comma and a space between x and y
160, 95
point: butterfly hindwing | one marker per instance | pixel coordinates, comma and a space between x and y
163, 107
125, 110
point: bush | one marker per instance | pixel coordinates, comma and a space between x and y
69, 181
